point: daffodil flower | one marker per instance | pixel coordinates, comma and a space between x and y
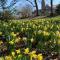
32, 39
13, 34
45, 33
8, 58
17, 40
20, 55
13, 54
1, 42
11, 42
18, 51
26, 51
33, 52
0, 33
32, 55
58, 42
40, 57
1, 58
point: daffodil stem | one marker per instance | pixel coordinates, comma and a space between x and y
30, 57
4, 57
25, 57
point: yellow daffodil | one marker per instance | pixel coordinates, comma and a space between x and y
57, 32
1, 58
26, 51
18, 51
17, 40
24, 39
32, 39
27, 28
34, 32
22, 29
0, 33
54, 41
58, 42
39, 31
13, 54
11, 42
45, 33
45, 28
20, 55
33, 26
1, 42
40, 57
8, 58
17, 33
32, 55
33, 52
13, 34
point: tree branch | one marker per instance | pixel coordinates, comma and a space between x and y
13, 2
30, 3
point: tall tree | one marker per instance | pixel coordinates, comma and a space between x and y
4, 4
57, 9
26, 11
43, 7
51, 8
34, 5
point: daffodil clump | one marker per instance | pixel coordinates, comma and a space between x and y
13, 53
26, 51
11, 42
18, 51
0, 33
8, 58
13, 34
33, 54
18, 38
1, 42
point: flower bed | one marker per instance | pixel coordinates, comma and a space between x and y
19, 38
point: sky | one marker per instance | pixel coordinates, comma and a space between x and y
55, 2
23, 2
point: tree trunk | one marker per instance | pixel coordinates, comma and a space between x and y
36, 7
43, 8
51, 8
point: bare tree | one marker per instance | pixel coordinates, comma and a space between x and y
4, 6
43, 7
34, 5
51, 8
26, 11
